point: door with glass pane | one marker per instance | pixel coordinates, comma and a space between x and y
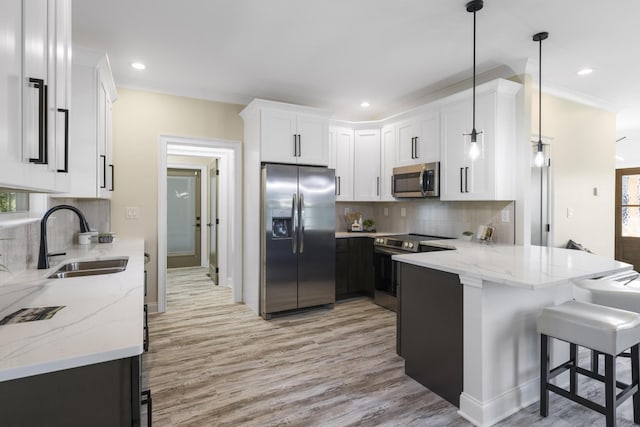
183, 218
628, 216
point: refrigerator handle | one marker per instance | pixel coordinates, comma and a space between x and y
301, 214
294, 234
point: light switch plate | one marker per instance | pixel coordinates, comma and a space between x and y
131, 212
506, 215
386, 211
403, 211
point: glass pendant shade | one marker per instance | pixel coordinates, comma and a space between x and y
474, 142
538, 160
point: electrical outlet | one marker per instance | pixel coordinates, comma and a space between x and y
403, 211
386, 211
506, 215
570, 213
346, 211
131, 212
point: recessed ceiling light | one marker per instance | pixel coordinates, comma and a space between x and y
365, 104
138, 66
585, 71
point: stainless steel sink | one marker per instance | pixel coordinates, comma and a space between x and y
90, 268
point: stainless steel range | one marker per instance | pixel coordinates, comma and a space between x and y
386, 280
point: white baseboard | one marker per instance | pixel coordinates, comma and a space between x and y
488, 413
152, 307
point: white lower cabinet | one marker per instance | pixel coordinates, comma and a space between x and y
341, 159
491, 175
367, 184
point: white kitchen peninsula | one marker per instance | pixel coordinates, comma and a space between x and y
504, 287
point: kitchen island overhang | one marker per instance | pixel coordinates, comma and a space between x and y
504, 288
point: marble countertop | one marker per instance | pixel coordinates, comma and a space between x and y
528, 267
102, 319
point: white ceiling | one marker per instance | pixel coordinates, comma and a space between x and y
333, 54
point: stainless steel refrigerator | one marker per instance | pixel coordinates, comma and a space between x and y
297, 238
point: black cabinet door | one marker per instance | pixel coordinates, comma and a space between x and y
430, 329
361, 271
342, 267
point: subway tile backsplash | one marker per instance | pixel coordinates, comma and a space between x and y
433, 217
19, 245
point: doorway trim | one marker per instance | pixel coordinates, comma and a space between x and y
208, 147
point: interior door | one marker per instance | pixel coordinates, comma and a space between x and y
213, 223
627, 239
183, 218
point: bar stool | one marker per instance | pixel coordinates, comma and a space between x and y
604, 329
610, 293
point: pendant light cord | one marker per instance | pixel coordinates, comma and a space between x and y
473, 129
540, 97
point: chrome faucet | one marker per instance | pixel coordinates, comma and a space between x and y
43, 257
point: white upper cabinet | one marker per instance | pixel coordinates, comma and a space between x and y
341, 159
367, 179
418, 140
36, 43
491, 176
91, 168
294, 137
387, 157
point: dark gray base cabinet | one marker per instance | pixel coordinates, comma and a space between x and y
430, 329
103, 394
354, 267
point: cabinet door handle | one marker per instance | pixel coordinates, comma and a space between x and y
461, 187
377, 186
339, 187
295, 145
42, 122
66, 139
104, 171
466, 179
113, 176
335, 183
415, 147
299, 146
145, 341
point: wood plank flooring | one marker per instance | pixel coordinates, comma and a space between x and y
214, 363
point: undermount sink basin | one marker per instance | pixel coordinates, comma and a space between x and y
90, 268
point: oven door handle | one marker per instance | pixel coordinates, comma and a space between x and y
388, 251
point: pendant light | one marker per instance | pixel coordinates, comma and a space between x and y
539, 159
474, 149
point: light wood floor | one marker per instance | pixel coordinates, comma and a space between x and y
215, 363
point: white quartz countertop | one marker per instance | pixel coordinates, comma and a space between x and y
102, 319
524, 266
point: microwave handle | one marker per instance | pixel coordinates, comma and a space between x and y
422, 172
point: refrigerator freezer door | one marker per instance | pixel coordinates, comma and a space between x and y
278, 290
316, 236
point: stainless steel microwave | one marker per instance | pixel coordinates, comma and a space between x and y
421, 180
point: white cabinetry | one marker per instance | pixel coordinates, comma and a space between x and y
341, 159
387, 157
491, 175
293, 137
34, 56
91, 166
367, 183
418, 140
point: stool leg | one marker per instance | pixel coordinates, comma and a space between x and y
544, 375
635, 376
610, 389
573, 383
594, 361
